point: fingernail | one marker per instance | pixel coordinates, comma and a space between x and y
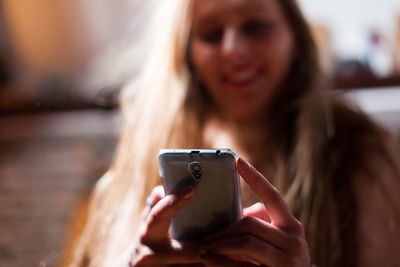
149, 202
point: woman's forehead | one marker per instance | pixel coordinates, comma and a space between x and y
210, 10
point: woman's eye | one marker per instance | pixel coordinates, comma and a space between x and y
256, 28
212, 36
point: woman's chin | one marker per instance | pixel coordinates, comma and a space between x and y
247, 117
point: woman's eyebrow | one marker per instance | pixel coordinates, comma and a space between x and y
209, 20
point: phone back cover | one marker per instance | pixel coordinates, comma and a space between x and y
217, 202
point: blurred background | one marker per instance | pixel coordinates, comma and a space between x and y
62, 63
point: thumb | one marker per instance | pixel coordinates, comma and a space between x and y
257, 210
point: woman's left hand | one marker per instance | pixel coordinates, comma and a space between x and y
268, 235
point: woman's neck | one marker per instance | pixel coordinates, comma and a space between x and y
245, 138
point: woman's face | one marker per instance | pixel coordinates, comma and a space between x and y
241, 50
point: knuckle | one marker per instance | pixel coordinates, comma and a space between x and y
169, 202
159, 213
248, 222
142, 257
162, 211
142, 235
143, 238
154, 216
275, 196
142, 261
248, 242
298, 227
157, 191
297, 246
291, 261
146, 259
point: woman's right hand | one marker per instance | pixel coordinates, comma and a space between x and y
154, 247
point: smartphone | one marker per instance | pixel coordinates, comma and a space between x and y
213, 176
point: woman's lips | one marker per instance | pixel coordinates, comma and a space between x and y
242, 77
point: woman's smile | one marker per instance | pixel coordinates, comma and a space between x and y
242, 77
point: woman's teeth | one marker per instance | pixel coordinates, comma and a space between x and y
242, 77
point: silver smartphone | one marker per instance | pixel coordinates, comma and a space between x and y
213, 176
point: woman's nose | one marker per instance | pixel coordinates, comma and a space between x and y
234, 45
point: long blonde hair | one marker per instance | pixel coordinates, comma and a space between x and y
165, 108
154, 110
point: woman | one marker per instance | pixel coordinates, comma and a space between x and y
244, 74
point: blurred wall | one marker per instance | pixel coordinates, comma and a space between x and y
48, 36
351, 21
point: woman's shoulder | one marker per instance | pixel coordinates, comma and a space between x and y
359, 146
349, 119
370, 155
378, 228
377, 197
356, 131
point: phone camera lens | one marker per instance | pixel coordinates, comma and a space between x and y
195, 169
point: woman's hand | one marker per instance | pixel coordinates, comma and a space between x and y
268, 235
154, 246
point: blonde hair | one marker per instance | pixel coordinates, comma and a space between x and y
164, 108
153, 107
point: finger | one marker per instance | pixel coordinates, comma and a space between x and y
262, 230
147, 257
277, 208
186, 256
156, 195
161, 214
248, 246
257, 210
192, 264
213, 260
